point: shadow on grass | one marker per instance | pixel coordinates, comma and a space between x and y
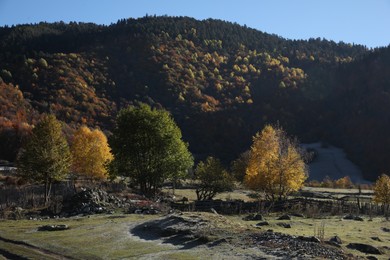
169, 231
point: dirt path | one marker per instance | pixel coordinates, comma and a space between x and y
20, 245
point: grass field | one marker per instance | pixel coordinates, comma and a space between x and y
242, 194
97, 237
109, 237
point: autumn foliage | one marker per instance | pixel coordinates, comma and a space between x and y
276, 166
382, 190
91, 153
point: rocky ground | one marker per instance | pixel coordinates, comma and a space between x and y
230, 240
96, 201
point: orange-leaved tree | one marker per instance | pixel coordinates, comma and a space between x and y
276, 165
91, 153
382, 192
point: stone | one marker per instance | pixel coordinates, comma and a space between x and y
285, 225
297, 215
386, 229
310, 239
365, 248
348, 217
284, 217
53, 227
336, 240
376, 239
371, 257
263, 223
333, 244
353, 217
138, 211
252, 217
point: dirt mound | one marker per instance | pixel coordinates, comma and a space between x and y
188, 230
181, 228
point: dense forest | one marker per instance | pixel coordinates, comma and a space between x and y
222, 83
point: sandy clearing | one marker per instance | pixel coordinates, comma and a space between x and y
333, 162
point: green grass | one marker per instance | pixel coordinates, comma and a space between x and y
108, 236
98, 237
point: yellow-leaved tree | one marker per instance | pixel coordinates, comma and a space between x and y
382, 192
276, 165
91, 153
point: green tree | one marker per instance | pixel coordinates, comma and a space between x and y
211, 178
238, 166
276, 165
45, 158
147, 146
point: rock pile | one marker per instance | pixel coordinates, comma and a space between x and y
97, 201
284, 217
290, 247
92, 201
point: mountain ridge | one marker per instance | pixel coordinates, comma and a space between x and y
221, 81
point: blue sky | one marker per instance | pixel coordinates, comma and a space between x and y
364, 22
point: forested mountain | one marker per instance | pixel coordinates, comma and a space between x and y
221, 81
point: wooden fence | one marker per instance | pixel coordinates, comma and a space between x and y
308, 206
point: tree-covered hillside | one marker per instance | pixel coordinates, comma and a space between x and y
221, 81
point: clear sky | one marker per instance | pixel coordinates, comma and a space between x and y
364, 22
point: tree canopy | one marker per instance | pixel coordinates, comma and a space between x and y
276, 164
148, 147
90, 153
382, 190
46, 157
211, 178
215, 77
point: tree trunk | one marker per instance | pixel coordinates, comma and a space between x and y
47, 191
173, 187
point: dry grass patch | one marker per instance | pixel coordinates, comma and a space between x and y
191, 195
348, 230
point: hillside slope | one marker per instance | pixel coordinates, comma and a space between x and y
222, 82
